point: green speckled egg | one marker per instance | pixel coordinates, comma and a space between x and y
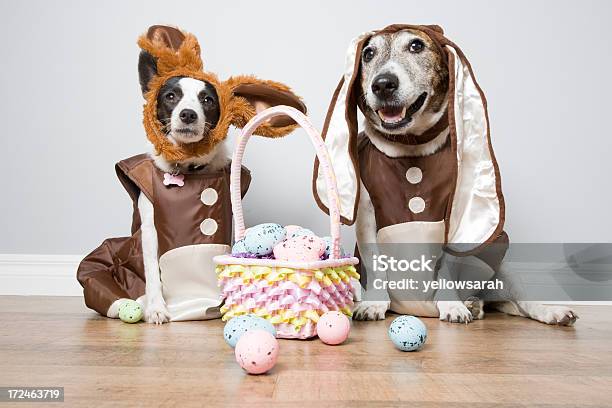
130, 311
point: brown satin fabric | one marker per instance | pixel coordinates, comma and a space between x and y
115, 269
112, 271
385, 180
179, 211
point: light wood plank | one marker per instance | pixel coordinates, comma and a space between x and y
499, 361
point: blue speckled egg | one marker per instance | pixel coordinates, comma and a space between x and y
239, 248
237, 326
408, 333
300, 233
328, 243
261, 239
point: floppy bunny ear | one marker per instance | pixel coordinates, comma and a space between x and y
340, 135
166, 36
477, 213
251, 96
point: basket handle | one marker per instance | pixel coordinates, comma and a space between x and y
325, 165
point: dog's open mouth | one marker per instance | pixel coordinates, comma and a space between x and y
393, 117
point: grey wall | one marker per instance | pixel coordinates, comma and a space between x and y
70, 105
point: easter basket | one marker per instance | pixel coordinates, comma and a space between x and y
292, 295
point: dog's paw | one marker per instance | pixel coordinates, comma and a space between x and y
558, 315
454, 312
475, 306
370, 310
156, 311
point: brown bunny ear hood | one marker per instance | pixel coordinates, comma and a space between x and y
477, 210
178, 54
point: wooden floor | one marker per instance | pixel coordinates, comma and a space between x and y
499, 361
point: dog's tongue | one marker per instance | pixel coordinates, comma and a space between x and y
392, 115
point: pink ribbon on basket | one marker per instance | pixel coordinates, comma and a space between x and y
314, 287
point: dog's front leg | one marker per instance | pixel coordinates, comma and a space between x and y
513, 290
450, 307
373, 304
549, 314
155, 310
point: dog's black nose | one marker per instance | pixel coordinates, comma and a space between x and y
385, 85
188, 116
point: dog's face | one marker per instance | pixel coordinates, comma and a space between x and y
188, 109
404, 82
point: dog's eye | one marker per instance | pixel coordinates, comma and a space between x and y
170, 96
207, 100
416, 46
368, 54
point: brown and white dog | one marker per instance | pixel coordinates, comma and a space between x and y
423, 169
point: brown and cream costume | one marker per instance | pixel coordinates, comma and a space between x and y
452, 197
193, 221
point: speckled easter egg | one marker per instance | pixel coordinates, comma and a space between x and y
305, 248
259, 323
408, 333
328, 245
300, 232
130, 311
261, 239
333, 328
239, 325
292, 229
257, 351
239, 248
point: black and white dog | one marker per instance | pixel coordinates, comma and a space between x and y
187, 114
188, 109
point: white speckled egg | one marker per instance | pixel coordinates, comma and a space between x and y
408, 333
261, 239
239, 248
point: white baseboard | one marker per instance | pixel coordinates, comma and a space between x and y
39, 275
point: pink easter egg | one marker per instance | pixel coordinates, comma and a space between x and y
290, 229
305, 248
333, 328
257, 351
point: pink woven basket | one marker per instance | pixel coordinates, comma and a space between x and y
291, 295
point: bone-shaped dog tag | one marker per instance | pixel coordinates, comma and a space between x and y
170, 179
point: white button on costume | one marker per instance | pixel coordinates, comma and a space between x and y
416, 205
208, 226
209, 196
414, 175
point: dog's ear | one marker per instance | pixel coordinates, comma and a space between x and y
162, 38
251, 96
340, 131
147, 69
